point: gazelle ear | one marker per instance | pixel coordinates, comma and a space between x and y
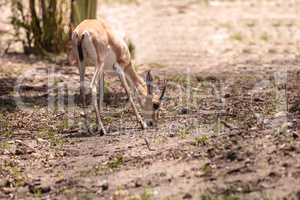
149, 82
163, 91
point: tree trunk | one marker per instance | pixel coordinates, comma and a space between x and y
81, 10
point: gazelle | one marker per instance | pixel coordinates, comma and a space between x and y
94, 39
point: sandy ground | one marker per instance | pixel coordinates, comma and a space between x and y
229, 128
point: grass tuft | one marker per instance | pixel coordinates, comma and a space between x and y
237, 37
265, 37
145, 195
201, 139
52, 136
202, 196
116, 162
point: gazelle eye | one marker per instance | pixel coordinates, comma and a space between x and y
155, 106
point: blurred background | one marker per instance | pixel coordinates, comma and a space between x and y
198, 34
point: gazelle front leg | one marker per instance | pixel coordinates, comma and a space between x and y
101, 91
118, 69
98, 73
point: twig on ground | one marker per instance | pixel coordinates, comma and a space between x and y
148, 144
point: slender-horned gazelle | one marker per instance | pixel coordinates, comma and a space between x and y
95, 40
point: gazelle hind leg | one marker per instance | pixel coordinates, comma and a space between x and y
82, 95
118, 69
81, 66
93, 86
82, 88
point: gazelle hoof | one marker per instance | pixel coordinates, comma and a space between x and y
82, 114
144, 125
102, 132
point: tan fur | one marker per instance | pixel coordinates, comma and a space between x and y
103, 46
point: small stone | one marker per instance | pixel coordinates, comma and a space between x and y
295, 135
8, 190
104, 185
162, 174
231, 156
171, 135
138, 183
149, 183
20, 151
184, 111
227, 95
39, 189
22, 190
3, 183
187, 196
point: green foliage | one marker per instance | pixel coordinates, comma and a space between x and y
42, 26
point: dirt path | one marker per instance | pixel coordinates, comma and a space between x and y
229, 130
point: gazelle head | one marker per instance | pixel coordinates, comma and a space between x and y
153, 101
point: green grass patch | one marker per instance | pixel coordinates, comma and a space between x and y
184, 133
145, 195
202, 196
156, 65
5, 128
201, 139
63, 124
52, 136
116, 162
237, 37
206, 169
265, 37
14, 172
5, 146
